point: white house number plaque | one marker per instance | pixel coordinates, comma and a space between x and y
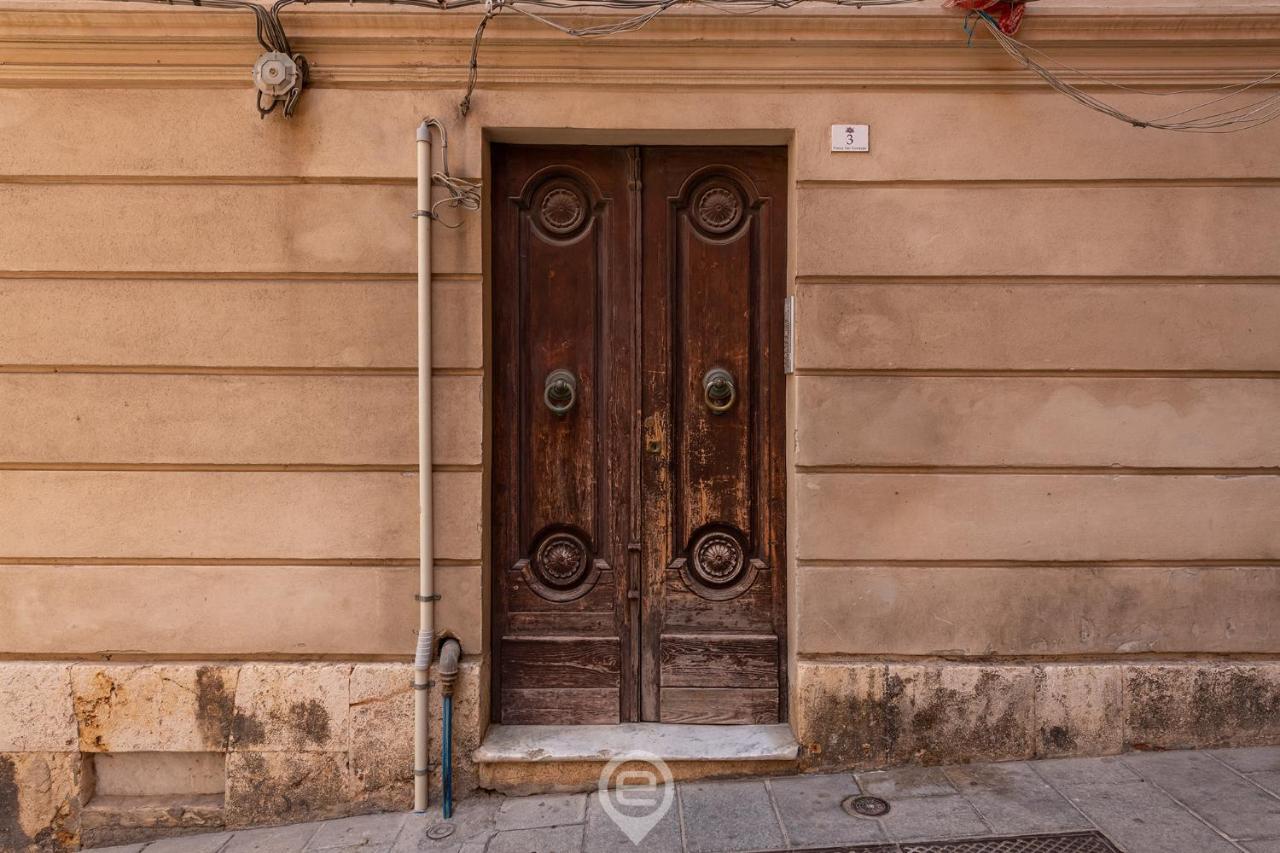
850, 137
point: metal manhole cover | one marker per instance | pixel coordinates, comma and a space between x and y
865, 806
1073, 842
439, 830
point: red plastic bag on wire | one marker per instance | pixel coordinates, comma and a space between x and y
1007, 12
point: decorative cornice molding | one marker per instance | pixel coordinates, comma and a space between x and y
369, 48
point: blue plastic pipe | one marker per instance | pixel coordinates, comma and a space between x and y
446, 749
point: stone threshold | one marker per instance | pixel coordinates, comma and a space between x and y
670, 742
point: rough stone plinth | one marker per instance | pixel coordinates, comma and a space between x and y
1176, 706
153, 707
292, 707
39, 801
1079, 710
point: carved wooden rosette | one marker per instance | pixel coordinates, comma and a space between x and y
562, 568
717, 207
716, 566
562, 209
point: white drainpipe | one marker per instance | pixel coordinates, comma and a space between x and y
426, 569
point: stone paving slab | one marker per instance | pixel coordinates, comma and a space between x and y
729, 816
1175, 802
540, 811
1013, 799
1272, 846
1250, 760
367, 830
1065, 772
276, 839
906, 782
1141, 818
204, 843
933, 818
1269, 780
474, 823
545, 839
603, 835
812, 815
1212, 790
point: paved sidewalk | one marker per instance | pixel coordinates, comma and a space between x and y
1222, 801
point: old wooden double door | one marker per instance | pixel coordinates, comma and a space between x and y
638, 399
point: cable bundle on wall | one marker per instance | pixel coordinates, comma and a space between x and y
1215, 115
281, 74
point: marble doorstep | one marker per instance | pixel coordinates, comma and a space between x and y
669, 742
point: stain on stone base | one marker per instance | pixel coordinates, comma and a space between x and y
308, 741
39, 802
1183, 706
300, 741
283, 787
858, 715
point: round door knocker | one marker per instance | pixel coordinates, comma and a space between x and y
560, 392
719, 390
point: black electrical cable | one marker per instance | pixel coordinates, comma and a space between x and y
1197, 118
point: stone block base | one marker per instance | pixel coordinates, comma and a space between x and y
863, 715
289, 742
302, 741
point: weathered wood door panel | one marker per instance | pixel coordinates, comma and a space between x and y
638, 417
563, 221
713, 409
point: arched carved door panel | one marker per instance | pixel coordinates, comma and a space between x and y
638, 415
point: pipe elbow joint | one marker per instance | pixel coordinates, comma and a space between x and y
450, 657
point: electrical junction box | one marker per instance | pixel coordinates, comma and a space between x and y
850, 137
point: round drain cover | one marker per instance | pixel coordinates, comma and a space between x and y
439, 830
865, 806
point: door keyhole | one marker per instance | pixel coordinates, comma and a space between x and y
653, 436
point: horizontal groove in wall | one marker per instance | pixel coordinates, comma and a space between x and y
189, 180
1035, 373
405, 76
126, 656
1031, 280
1034, 183
1039, 470
238, 562
804, 183
184, 370
840, 28
1036, 564
349, 277
1190, 657
300, 468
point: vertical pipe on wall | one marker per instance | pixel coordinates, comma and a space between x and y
426, 579
450, 658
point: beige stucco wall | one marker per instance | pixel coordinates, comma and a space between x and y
1032, 422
